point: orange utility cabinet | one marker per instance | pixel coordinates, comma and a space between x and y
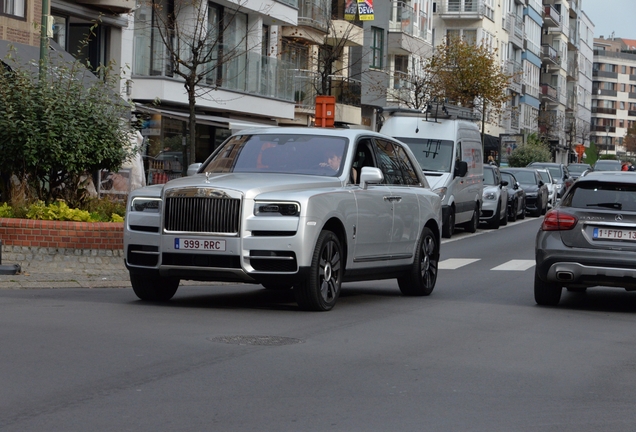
325, 111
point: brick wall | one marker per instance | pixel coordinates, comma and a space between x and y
61, 234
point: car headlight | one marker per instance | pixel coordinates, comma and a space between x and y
276, 209
148, 205
490, 196
441, 192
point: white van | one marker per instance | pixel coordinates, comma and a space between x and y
450, 154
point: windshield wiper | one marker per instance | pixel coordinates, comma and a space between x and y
613, 205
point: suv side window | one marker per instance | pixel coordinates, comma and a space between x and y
408, 171
388, 162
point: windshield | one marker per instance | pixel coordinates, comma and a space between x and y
607, 166
525, 177
545, 177
279, 153
432, 154
489, 177
509, 178
578, 169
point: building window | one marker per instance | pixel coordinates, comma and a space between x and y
377, 47
15, 8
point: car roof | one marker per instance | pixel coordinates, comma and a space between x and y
545, 164
341, 132
610, 176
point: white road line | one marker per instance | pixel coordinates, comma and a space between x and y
515, 265
455, 263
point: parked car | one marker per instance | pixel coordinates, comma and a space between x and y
535, 188
301, 208
551, 184
559, 172
516, 197
590, 239
494, 210
608, 165
578, 169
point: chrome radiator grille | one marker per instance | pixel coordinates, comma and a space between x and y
202, 215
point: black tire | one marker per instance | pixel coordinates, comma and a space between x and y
495, 221
523, 210
471, 225
546, 293
322, 288
420, 281
153, 288
448, 227
537, 212
504, 220
514, 210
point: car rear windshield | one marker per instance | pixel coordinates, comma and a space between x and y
607, 166
279, 153
525, 177
595, 195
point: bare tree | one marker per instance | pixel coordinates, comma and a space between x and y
202, 45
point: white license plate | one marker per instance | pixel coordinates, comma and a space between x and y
199, 244
614, 234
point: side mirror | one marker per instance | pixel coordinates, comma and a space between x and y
516, 186
461, 168
193, 168
504, 183
370, 175
541, 183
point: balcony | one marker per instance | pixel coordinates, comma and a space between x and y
549, 92
462, 9
604, 74
347, 91
575, 8
551, 17
550, 54
515, 70
601, 110
249, 73
406, 19
601, 128
603, 92
515, 28
573, 70
313, 13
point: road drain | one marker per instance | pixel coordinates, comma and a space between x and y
256, 340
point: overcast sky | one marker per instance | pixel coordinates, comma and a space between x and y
618, 16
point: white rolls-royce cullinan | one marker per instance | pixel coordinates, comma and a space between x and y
289, 208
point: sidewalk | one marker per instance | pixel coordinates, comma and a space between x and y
64, 268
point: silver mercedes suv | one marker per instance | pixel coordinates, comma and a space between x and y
301, 208
589, 239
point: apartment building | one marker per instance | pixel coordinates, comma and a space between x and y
613, 93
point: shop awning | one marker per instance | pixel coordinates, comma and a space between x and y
230, 123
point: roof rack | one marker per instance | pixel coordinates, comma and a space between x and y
436, 110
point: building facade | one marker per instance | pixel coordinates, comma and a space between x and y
613, 94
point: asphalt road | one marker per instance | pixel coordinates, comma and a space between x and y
477, 355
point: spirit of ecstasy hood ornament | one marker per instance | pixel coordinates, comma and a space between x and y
207, 177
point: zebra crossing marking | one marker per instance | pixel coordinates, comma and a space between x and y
512, 265
515, 265
455, 263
